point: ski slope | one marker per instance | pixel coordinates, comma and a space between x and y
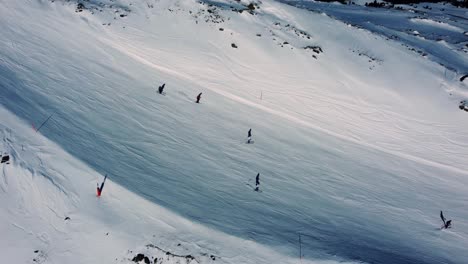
358, 148
44, 185
437, 31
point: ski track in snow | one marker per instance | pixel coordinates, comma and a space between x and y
133, 54
111, 229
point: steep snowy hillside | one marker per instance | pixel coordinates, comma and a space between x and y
359, 141
438, 31
49, 214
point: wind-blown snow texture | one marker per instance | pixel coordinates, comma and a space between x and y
358, 148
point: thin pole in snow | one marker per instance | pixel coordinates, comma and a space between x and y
300, 248
261, 95
43, 123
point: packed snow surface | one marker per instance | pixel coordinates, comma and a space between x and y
437, 24
358, 139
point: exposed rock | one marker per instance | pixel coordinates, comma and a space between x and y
315, 49
139, 257
463, 77
5, 158
80, 7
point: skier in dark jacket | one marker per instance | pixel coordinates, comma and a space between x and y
161, 88
249, 136
198, 98
447, 224
257, 182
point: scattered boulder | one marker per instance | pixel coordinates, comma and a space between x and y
5, 159
463, 77
80, 7
139, 257
463, 105
234, 45
375, 4
221, 29
67, 218
315, 49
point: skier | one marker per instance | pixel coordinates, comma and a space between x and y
447, 224
99, 189
198, 98
249, 136
161, 88
257, 182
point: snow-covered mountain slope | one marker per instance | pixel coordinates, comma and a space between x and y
359, 141
49, 214
438, 31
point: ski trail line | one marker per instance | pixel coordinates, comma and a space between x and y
134, 54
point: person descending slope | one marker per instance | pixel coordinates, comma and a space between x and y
249, 136
257, 182
161, 88
198, 98
447, 224
99, 189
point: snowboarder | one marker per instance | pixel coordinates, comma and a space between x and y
249, 136
99, 189
257, 182
198, 98
161, 88
447, 224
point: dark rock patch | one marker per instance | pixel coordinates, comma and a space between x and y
5, 159
139, 257
80, 7
315, 49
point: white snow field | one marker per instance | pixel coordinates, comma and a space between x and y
358, 139
438, 31
44, 185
